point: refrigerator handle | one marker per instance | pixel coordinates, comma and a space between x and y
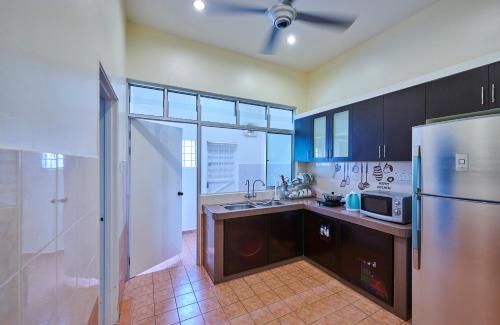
416, 207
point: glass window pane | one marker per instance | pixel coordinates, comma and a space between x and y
181, 105
218, 110
146, 101
279, 157
229, 157
281, 118
320, 137
252, 115
341, 134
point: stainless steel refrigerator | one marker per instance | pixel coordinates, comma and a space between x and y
456, 222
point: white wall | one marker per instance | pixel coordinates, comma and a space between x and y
445, 34
49, 61
159, 57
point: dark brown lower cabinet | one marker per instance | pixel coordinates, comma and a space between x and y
245, 244
320, 240
285, 235
366, 259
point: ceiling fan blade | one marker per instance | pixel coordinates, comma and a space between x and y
271, 41
214, 7
332, 21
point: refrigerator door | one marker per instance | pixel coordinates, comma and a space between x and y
461, 158
458, 281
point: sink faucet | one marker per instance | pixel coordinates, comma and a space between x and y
253, 186
249, 195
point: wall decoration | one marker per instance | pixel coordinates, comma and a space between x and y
377, 172
388, 168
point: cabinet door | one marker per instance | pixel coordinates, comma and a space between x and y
367, 130
494, 85
303, 139
464, 92
245, 244
402, 110
285, 235
321, 139
366, 260
320, 240
340, 129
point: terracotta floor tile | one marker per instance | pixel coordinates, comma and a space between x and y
209, 304
260, 287
164, 306
227, 298
279, 309
352, 314
143, 312
184, 300
163, 295
297, 287
336, 302
291, 319
284, 292
142, 301
386, 318
308, 314
295, 302
252, 303
214, 317
253, 279
234, 310
202, 284
168, 318
244, 293
188, 311
269, 297
350, 295
242, 320
183, 289
367, 306
147, 321
262, 316
274, 283
204, 294
159, 286
198, 320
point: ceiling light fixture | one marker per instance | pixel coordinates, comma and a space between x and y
199, 5
291, 40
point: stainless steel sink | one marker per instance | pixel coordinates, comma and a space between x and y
243, 206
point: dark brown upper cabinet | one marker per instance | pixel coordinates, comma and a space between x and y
367, 129
402, 110
494, 72
464, 92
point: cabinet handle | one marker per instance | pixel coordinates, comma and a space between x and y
379, 152
384, 150
482, 96
493, 100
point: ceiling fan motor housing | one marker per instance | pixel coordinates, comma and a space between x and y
282, 15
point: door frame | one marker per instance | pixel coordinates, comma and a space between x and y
108, 143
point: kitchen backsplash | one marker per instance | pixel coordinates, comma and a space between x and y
385, 176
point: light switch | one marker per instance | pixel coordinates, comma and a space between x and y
461, 162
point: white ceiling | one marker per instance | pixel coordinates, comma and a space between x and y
247, 33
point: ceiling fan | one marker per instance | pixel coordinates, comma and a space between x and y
282, 14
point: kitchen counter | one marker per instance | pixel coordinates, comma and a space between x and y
218, 212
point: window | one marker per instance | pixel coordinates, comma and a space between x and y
279, 157
182, 105
52, 161
229, 157
281, 118
188, 153
252, 115
218, 110
146, 101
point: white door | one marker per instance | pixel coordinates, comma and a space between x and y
155, 204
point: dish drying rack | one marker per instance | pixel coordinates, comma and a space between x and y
295, 189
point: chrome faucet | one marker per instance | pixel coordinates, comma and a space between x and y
249, 195
253, 186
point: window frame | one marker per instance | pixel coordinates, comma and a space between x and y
200, 123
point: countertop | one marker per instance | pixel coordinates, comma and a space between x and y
218, 212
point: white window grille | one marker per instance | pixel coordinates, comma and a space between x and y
189, 153
221, 166
52, 160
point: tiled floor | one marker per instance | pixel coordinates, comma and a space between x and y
297, 293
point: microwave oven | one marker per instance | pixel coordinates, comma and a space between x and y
388, 206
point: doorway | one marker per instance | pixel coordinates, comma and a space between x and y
163, 195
